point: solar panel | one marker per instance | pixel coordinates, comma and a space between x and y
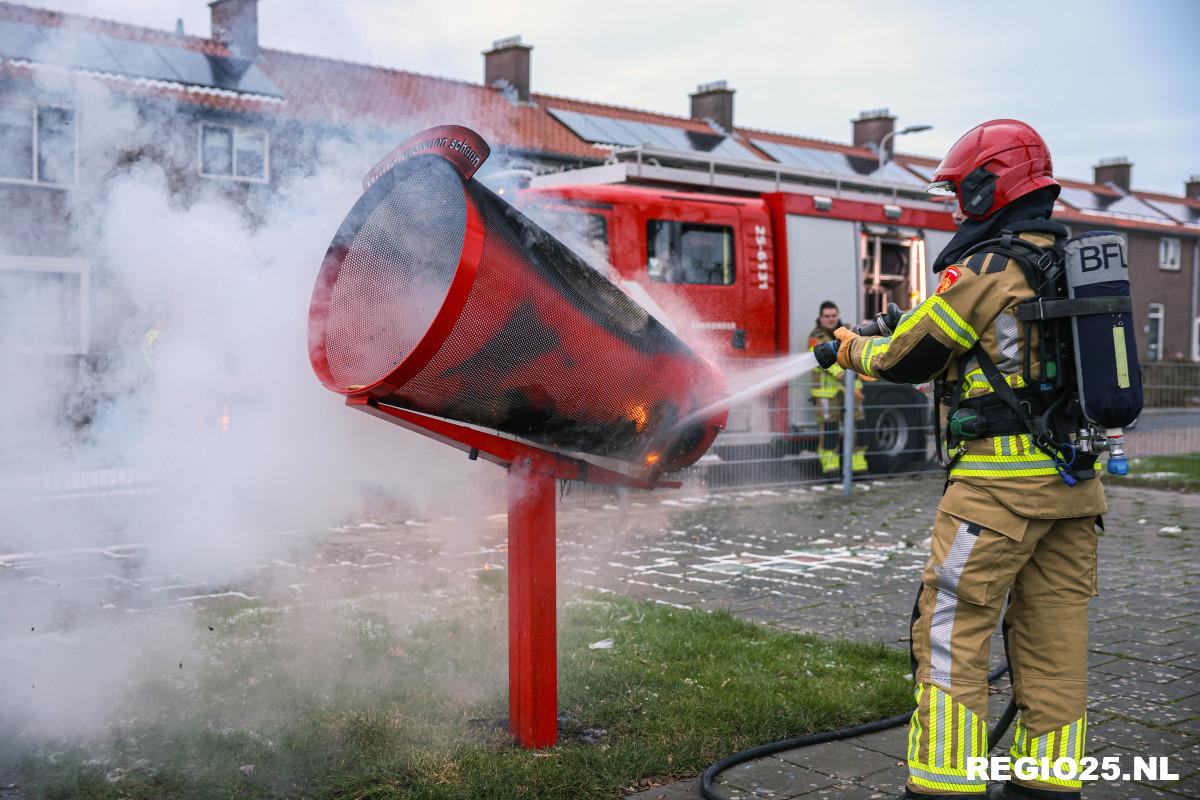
113, 55
836, 163
233, 74
922, 170
1180, 211
1134, 207
249, 78
140, 60
78, 49
1125, 205
633, 133
20, 41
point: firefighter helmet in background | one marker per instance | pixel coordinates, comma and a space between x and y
992, 165
438, 296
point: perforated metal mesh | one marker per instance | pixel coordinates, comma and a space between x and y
542, 346
548, 349
396, 271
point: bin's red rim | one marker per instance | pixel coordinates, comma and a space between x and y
439, 329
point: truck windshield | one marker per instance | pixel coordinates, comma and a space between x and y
688, 252
584, 232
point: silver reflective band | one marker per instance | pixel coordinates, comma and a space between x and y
938, 777
945, 188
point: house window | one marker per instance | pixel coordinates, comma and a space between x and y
1196, 339
37, 144
1154, 332
51, 316
1168, 253
686, 252
238, 154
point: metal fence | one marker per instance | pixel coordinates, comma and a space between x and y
778, 437
1169, 429
775, 440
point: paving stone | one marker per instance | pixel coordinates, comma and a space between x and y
1138, 739
684, 790
773, 777
849, 791
842, 760
893, 743
1143, 671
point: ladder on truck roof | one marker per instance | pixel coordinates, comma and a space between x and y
661, 166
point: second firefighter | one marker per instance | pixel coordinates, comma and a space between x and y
829, 402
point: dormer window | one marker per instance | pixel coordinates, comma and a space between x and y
37, 145
234, 153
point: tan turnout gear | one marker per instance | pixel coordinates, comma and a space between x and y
1008, 529
829, 405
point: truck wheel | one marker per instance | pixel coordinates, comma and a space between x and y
897, 432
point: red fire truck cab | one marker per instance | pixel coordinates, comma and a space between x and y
737, 257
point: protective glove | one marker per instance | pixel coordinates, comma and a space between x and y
845, 336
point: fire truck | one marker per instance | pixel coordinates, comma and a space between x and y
737, 256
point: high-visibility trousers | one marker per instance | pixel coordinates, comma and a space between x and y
829, 413
1046, 568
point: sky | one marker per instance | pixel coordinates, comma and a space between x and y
1098, 79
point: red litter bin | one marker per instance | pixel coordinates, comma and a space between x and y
442, 308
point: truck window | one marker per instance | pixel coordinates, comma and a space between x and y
688, 252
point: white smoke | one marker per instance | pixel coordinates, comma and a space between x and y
246, 455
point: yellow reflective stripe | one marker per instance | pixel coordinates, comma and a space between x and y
1053, 746
1017, 466
915, 753
961, 761
945, 766
952, 324
870, 348
910, 320
975, 379
961, 786
934, 750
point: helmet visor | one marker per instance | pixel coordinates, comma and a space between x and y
941, 188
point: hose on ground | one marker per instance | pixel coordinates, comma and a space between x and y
710, 775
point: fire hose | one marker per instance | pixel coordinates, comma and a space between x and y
821, 737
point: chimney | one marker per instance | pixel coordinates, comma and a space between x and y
1117, 171
235, 23
1191, 189
506, 66
871, 126
714, 101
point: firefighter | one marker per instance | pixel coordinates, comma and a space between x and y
828, 401
1010, 525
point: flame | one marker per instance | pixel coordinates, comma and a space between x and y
639, 417
652, 458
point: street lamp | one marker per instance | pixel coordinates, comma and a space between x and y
910, 129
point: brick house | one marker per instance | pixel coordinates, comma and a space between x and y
225, 109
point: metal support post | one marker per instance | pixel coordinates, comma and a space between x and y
848, 431
532, 634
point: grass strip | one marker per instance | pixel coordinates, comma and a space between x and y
377, 714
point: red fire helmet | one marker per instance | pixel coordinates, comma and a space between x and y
992, 165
